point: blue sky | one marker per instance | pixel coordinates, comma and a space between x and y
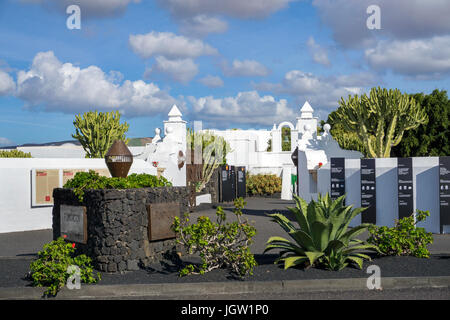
230, 64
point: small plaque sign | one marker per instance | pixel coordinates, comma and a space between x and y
337, 173
405, 187
160, 220
444, 191
73, 223
368, 191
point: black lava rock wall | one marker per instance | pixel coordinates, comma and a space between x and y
117, 225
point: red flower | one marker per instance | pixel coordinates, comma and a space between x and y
320, 164
64, 236
73, 245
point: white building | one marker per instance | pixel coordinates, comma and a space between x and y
249, 149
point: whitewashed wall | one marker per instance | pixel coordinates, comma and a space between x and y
426, 189
64, 151
16, 211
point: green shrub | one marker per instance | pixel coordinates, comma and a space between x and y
14, 154
91, 180
220, 244
50, 269
404, 239
263, 184
322, 237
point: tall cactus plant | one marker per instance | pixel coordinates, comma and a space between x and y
97, 131
213, 153
380, 119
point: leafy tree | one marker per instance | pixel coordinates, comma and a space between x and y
380, 119
431, 139
285, 139
97, 131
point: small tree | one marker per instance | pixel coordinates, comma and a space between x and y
97, 131
381, 119
214, 150
433, 138
285, 139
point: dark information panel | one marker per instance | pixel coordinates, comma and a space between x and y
368, 191
337, 177
224, 184
444, 191
232, 173
405, 187
240, 182
227, 183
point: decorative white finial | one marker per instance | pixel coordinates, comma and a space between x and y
157, 137
306, 111
175, 114
326, 127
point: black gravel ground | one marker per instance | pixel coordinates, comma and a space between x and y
13, 271
18, 249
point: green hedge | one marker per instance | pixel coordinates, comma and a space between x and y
263, 184
92, 180
14, 154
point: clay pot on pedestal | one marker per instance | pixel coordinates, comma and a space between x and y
119, 159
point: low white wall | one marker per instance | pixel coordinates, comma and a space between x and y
67, 151
425, 181
16, 211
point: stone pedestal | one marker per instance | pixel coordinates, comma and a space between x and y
117, 224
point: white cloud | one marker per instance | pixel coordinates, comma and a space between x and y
181, 70
212, 81
4, 142
323, 92
89, 8
168, 45
245, 108
200, 17
63, 87
245, 68
400, 19
201, 25
318, 53
7, 84
415, 58
235, 8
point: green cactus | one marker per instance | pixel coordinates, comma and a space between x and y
380, 120
97, 131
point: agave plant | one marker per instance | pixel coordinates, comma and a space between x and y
323, 236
